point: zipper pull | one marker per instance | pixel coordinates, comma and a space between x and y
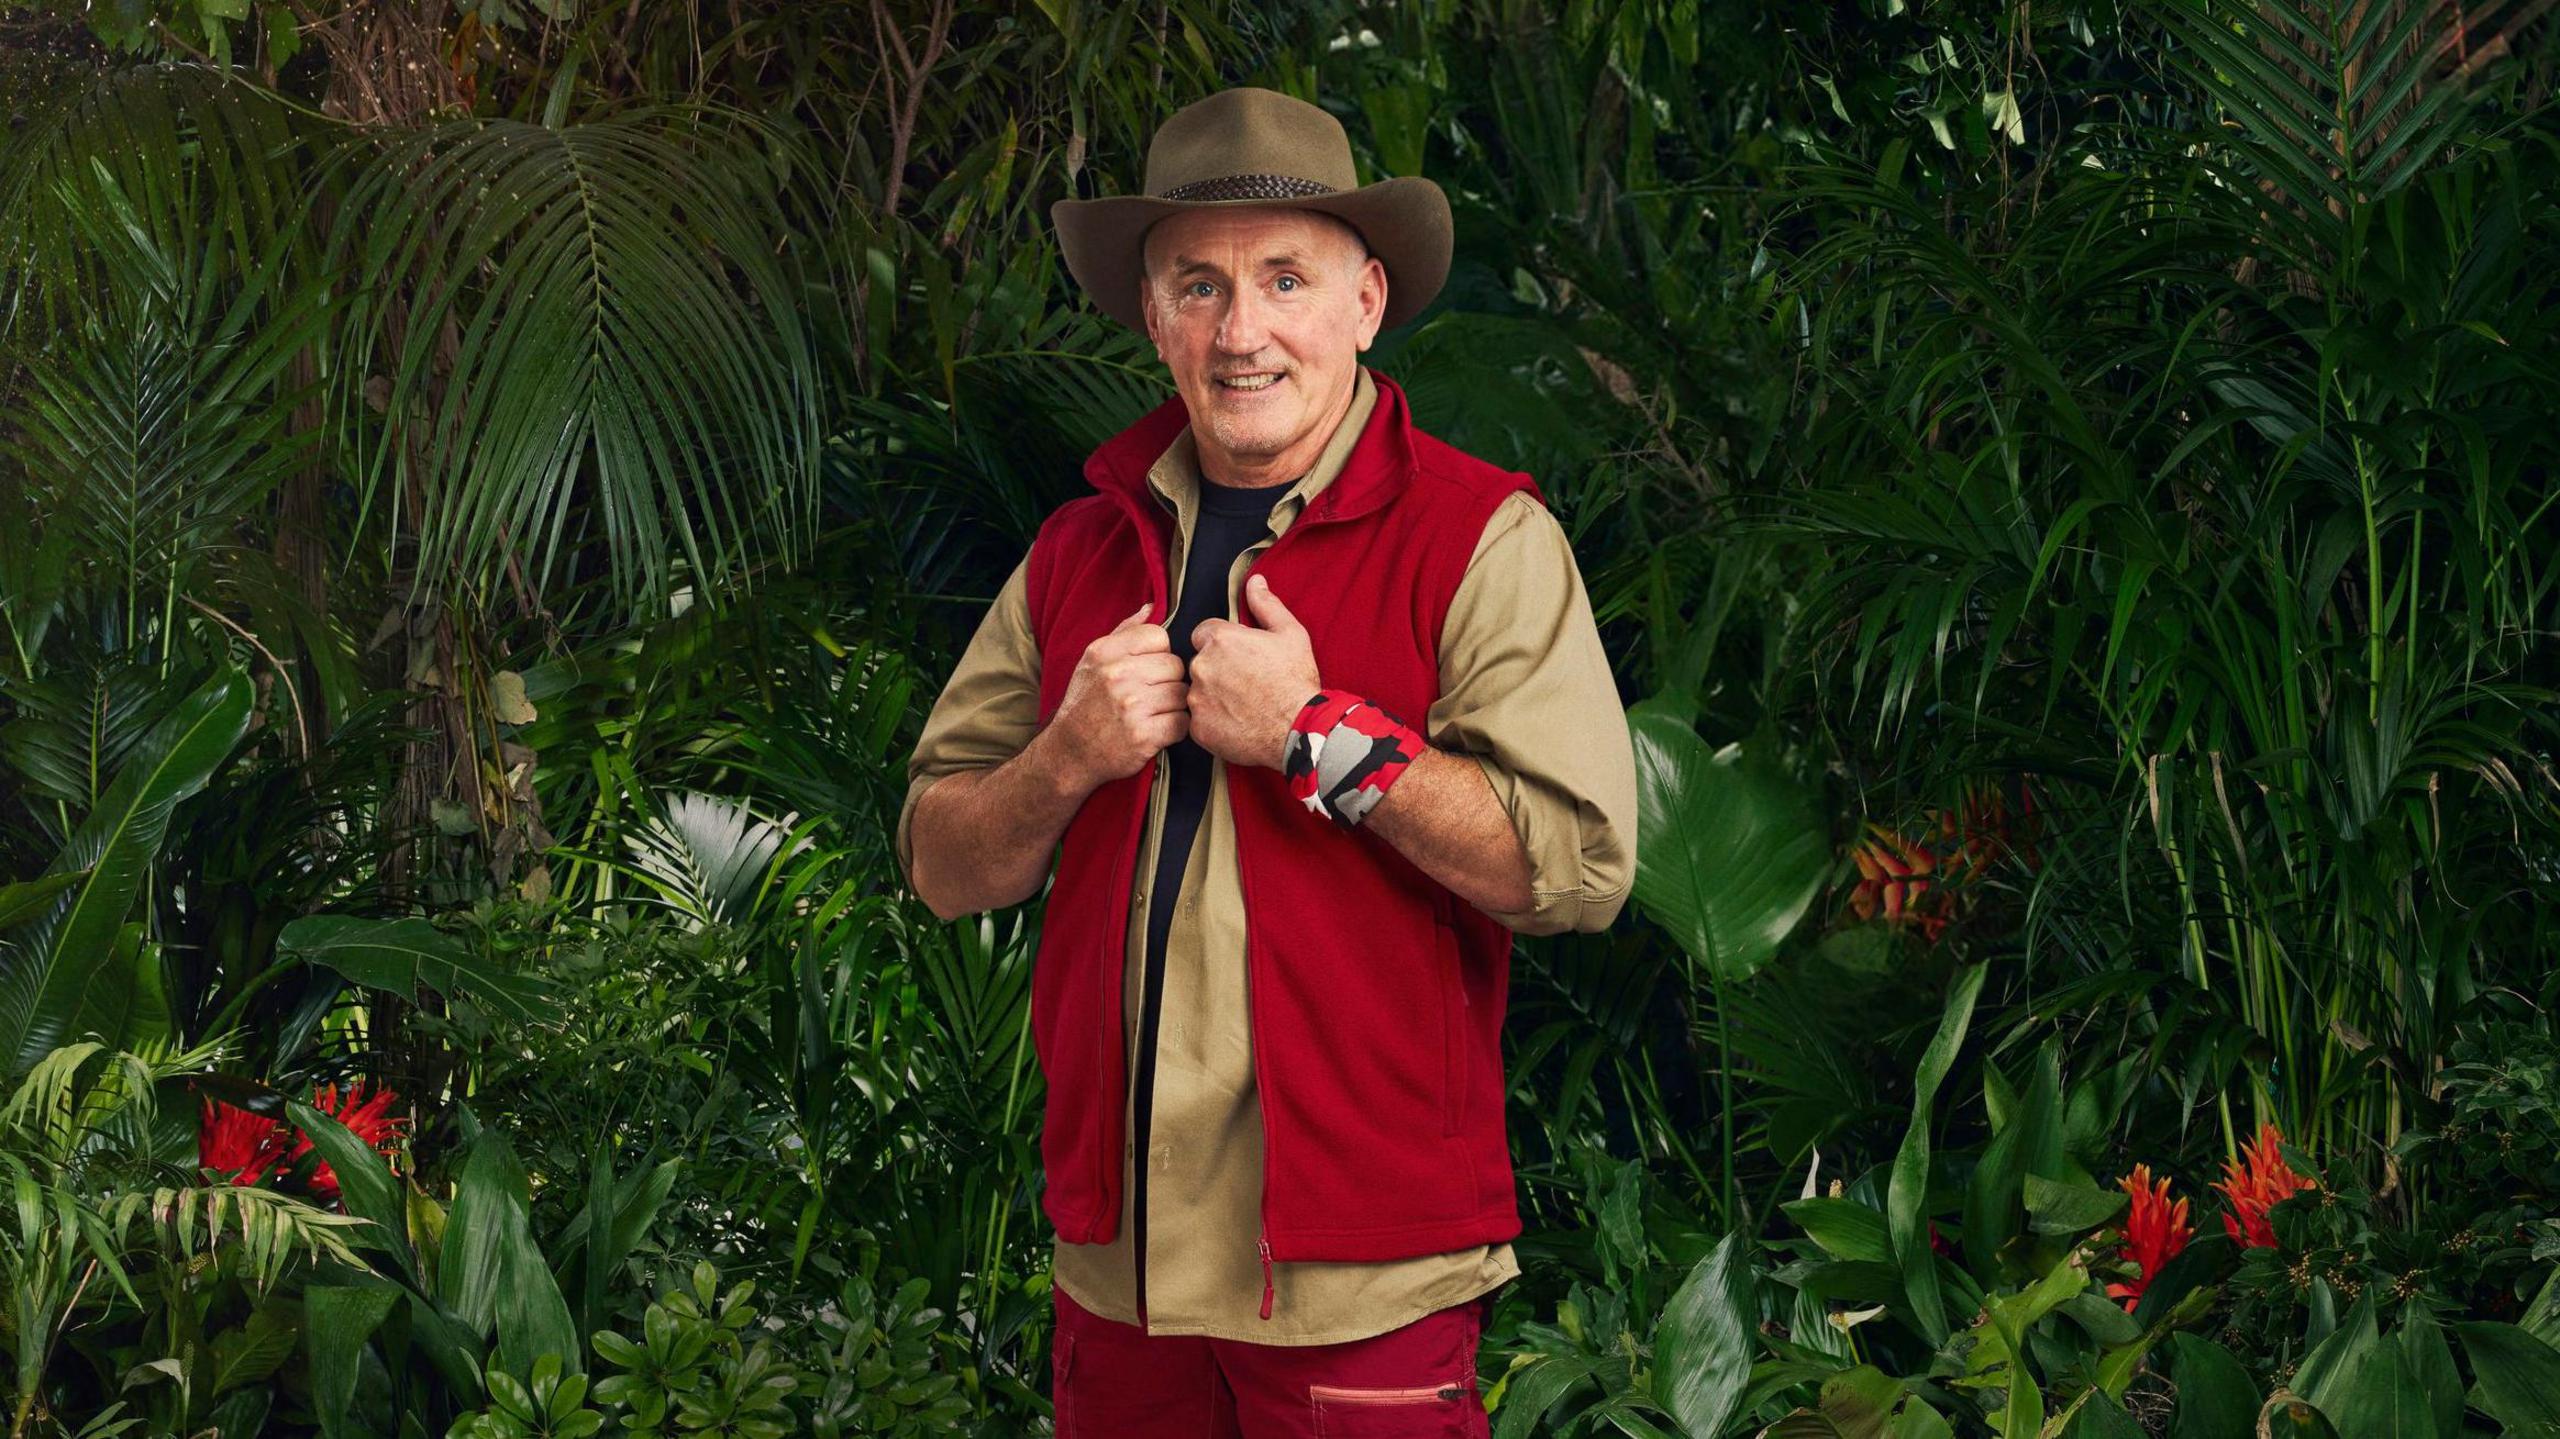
1263, 1243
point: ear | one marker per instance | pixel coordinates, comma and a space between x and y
1147, 311
1373, 299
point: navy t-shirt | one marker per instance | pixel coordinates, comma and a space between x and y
1229, 521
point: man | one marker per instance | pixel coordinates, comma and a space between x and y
1275, 953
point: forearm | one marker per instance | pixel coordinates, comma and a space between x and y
984, 837
1443, 815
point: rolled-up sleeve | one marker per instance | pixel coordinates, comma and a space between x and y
986, 713
1525, 690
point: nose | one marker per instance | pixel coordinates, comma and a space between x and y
1241, 329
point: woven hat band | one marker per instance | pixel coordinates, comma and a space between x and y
1248, 187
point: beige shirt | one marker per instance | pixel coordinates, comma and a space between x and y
1527, 692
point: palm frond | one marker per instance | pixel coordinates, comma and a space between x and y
580, 337
2334, 104
160, 414
708, 855
198, 155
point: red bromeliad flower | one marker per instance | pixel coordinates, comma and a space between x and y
237, 1144
367, 1119
2254, 1183
2154, 1231
247, 1149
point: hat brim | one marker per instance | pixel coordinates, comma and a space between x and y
1405, 222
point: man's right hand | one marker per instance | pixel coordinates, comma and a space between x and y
1127, 700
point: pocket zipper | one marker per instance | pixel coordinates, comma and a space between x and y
1330, 1394
1262, 1242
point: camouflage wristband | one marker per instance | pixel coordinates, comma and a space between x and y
1343, 752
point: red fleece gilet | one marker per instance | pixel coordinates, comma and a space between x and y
1377, 995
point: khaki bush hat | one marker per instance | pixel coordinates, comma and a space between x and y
1248, 146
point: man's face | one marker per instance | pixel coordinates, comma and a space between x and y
1261, 315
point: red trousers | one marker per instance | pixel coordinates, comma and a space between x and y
1115, 1381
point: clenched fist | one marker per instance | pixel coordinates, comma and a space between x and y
1126, 700
1248, 681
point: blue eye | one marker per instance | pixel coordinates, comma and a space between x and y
1201, 286
1288, 282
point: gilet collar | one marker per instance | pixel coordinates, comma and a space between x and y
1379, 465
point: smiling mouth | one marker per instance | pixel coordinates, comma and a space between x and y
1246, 384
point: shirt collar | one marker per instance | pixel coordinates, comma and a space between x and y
1175, 476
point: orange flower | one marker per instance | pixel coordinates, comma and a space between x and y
1895, 882
2254, 1183
1920, 882
2154, 1231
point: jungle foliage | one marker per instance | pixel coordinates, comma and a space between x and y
488, 492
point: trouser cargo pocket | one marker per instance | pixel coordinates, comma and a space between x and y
1439, 1411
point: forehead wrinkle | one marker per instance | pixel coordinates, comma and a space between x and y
1284, 260
1305, 248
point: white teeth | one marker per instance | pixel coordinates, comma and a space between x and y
1250, 382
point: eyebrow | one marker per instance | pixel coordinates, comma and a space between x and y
1285, 260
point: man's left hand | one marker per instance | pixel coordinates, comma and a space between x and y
1248, 681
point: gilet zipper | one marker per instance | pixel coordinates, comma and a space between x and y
1244, 871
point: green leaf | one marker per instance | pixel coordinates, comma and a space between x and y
338, 1321
2103, 1418
2061, 1207
21, 903
1844, 1228
405, 956
2519, 1377
492, 1272
2429, 1360
254, 1350
59, 981
1704, 1343
2216, 1397
1728, 856
2030, 1143
365, 1182
1907, 1194
2361, 1384
1860, 1403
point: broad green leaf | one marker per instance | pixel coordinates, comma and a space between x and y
492, 1272
2100, 1417
404, 956
1728, 856
366, 1185
2030, 1143
2429, 1360
2062, 1207
2361, 1384
1530, 1391
338, 1321
1860, 1403
2519, 1377
1844, 1228
254, 1350
21, 903
1907, 1194
2216, 1397
57, 981
1704, 1344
